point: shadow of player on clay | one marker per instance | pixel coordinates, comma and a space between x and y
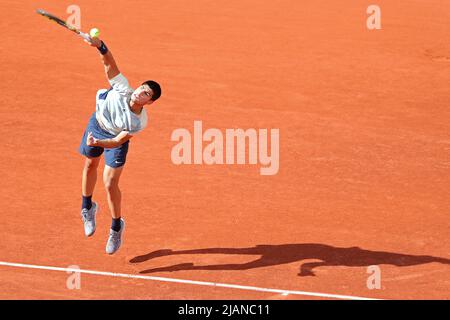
271, 255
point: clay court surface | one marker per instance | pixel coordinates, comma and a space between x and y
364, 150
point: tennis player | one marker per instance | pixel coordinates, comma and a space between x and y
119, 115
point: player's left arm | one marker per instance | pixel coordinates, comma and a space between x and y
111, 69
118, 140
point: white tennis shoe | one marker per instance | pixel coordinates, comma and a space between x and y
89, 219
115, 239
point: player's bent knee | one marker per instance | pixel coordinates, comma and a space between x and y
111, 185
111, 188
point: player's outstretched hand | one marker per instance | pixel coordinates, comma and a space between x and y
91, 141
95, 42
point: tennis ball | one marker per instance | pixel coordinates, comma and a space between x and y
94, 33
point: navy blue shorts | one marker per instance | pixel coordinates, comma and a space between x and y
114, 157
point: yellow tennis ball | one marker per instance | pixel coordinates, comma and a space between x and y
94, 33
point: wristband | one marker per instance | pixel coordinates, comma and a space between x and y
103, 49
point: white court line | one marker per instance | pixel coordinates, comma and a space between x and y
193, 282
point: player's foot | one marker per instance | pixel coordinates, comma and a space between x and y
115, 239
89, 219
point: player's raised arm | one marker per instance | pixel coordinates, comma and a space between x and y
111, 69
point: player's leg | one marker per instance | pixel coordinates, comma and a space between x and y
89, 177
111, 178
114, 163
89, 208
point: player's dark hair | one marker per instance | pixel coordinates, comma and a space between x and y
156, 88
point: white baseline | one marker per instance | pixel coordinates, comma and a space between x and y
192, 282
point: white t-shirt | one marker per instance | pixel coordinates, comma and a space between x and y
112, 108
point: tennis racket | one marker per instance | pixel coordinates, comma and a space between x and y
64, 24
